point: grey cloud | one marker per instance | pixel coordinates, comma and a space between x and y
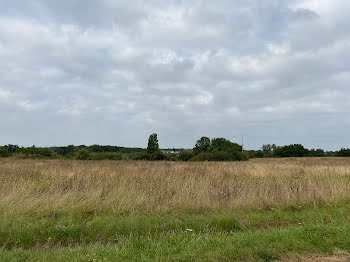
111, 72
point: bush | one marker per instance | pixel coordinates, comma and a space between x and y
107, 156
291, 151
156, 156
172, 157
220, 156
4, 152
35, 152
343, 153
142, 156
317, 153
258, 154
83, 154
45, 152
66, 151
12, 148
186, 155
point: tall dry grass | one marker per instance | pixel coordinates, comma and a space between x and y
45, 187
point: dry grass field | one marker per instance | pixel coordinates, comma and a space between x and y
45, 186
260, 210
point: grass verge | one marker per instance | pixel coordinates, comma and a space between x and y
260, 235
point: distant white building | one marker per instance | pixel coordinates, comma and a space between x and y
171, 151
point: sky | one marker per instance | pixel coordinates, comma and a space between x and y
113, 71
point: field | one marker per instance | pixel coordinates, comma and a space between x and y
260, 210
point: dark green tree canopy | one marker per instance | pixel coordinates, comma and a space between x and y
83, 154
295, 150
202, 145
153, 145
343, 152
222, 144
216, 144
4, 152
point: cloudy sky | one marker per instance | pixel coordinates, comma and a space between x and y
114, 71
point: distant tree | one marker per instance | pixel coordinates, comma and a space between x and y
12, 148
222, 144
158, 156
70, 149
202, 145
83, 154
268, 149
153, 145
186, 155
65, 150
107, 156
295, 150
317, 153
330, 153
45, 152
219, 156
343, 152
4, 152
96, 149
259, 154
142, 156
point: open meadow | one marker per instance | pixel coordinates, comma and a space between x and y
260, 210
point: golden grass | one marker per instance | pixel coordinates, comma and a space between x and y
44, 187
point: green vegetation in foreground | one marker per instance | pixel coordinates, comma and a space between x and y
264, 235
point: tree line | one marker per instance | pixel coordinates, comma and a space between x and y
205, 149
295, 150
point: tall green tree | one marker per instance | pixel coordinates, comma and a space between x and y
202, 145
153, 145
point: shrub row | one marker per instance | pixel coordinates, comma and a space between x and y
220, 156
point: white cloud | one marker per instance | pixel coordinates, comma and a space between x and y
184, 69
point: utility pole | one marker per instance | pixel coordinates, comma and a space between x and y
242, 144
